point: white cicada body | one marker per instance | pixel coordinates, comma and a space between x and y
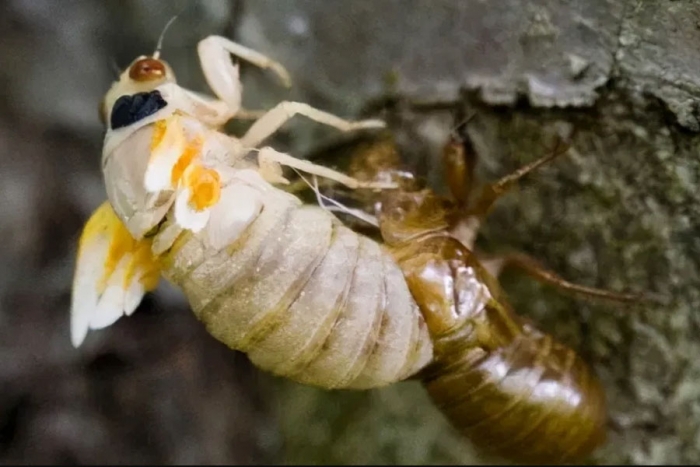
304, 296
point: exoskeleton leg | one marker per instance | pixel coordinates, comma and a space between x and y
492, 191
459, 160
269, 123
498, 263
466, 225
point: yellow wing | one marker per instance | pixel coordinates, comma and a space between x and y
113, 272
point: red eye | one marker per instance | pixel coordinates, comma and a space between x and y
147, 69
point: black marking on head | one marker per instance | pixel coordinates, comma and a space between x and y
131, 109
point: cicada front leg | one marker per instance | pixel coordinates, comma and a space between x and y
113, 273
222, 75
491, 192
459, 158
470, 216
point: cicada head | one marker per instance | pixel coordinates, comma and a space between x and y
142, 76
129, 142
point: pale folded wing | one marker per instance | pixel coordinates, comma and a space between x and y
112, 274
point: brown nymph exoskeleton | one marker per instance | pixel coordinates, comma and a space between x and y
511, 389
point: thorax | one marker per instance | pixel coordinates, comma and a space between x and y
164, 144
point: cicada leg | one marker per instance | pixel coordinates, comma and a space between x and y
222, 75
492, 191
497, 264
273, 120
459, 159
268, 156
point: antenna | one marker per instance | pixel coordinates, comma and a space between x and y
159, 46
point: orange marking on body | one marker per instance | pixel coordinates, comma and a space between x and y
120, 241
191, 152
143, 264
158, 133
120, 244
104, 224
205, 186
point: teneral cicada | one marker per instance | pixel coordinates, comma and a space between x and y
288, 284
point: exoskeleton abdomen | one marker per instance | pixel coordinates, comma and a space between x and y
535, 400
305, 298
509, 388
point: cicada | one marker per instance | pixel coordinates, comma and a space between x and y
304, 296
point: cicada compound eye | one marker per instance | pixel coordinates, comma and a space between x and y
147, 69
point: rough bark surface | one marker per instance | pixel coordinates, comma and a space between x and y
622, 211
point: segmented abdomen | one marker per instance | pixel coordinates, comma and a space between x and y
534, 401
305, 298
509, 388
